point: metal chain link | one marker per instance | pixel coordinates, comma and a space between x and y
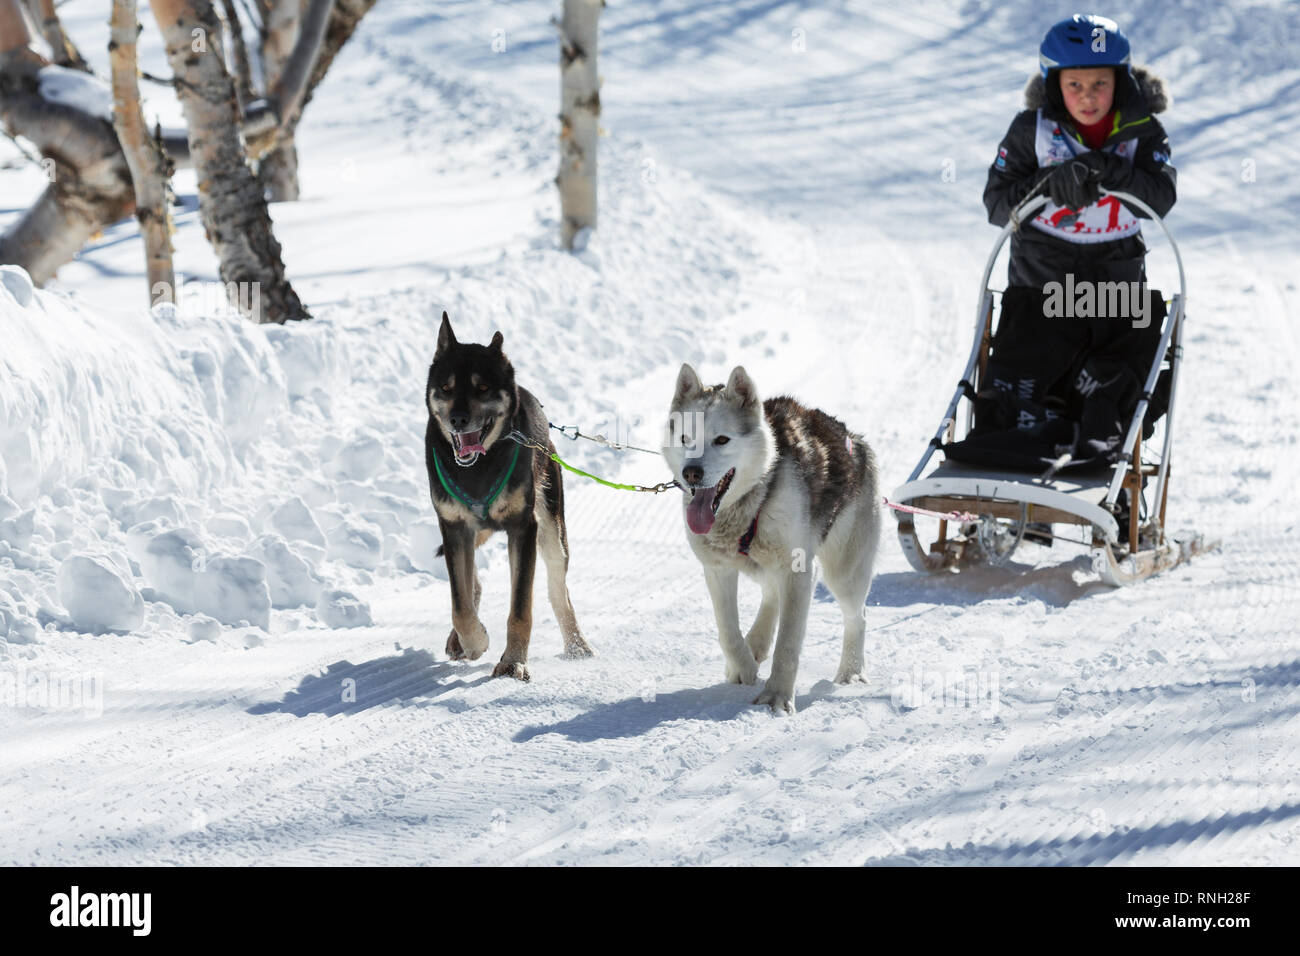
599, 439
522, 439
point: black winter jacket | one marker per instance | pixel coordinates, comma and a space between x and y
1103, 243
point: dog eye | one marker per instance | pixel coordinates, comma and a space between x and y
447, 387
721, 440
482, 388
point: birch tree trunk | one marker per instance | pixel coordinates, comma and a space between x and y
90, 183
150, 169
231, 202
579, 117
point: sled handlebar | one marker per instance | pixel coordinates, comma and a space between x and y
1034, 201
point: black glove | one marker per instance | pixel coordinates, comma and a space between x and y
1109, 170
1074, 183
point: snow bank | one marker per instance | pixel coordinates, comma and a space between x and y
292, 579
426, 539
154, 398
202, 466
115, 430
342, 609
76, 89
356, 544
16, 281
98, 596
183, 572
16, 626
295, 521
310, 356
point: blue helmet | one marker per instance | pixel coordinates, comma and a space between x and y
1083, 41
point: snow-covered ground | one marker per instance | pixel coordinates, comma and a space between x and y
217, 586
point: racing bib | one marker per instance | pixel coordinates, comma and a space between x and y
1105, 220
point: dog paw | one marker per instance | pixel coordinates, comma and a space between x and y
760, 645
515, 669
848, 675
460, 649
781, 702
577, 647
742, 671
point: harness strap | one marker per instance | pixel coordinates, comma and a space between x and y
479, 508
965, 517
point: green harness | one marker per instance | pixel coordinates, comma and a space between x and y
479, 508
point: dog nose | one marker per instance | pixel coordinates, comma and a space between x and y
459, 420
693, 474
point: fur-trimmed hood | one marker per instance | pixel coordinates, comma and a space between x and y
1151, 87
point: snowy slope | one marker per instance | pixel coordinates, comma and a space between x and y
773, 194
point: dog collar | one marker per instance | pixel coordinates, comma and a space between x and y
479, 508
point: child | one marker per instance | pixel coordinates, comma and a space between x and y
1089, 124
1059, 385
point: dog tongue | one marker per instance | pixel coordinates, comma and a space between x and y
699, 511
469, 443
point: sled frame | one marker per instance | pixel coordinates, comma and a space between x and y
1062, 499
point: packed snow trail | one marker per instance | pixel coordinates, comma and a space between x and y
783, 210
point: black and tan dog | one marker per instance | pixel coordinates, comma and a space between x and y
482, 481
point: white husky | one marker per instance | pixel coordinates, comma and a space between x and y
769, 486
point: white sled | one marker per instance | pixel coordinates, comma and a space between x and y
991, 509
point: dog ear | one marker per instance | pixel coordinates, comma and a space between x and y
446, 339
495, 344
742, 386
688, 383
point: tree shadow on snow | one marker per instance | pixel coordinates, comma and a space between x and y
347, 688
1094, 849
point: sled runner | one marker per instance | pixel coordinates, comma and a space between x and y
991, 509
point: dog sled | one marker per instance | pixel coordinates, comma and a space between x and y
985, 513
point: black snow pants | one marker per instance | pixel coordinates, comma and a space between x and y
1059, 385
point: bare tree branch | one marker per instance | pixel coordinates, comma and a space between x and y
243, 71
64, 50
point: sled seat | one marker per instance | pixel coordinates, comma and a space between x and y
1068, 498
